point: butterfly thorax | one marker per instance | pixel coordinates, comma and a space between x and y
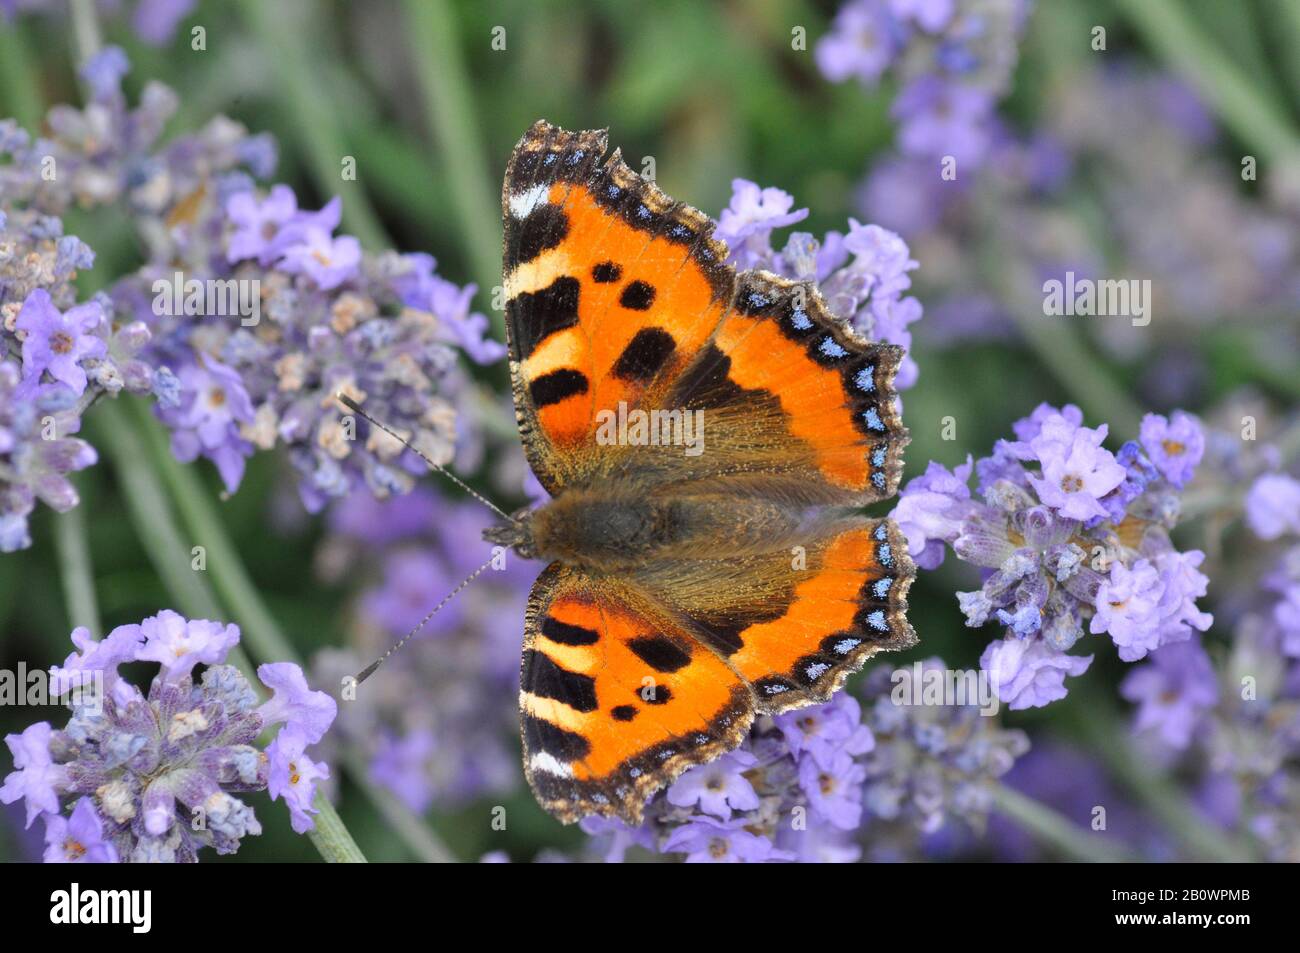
619, 529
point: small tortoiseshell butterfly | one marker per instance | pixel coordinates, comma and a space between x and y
688, 589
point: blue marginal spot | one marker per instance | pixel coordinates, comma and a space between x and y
613, 191
879, 454
885, 555
680, 231
872, 417
881, 587
878, 480
831, 348
549, 159
845, 646
881, 532
799, 318
877, 621
642, 211
757, 300
866, 379
575, 157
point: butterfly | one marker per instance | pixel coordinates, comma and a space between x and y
708, 438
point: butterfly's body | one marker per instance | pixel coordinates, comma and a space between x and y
633, 528
692, 584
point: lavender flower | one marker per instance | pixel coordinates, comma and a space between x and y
155, 777
1273, 506
328, 318
78, 838
1066, 533
708, 840
55, 343
1175, 445
1173, 692
953, 60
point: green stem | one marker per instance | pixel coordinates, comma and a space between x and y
1242, 107
146, 504
316, 119
75, 570
1290, 13
452, 119
1055, 830
229, 576
330, 835
261, 632
16, 77
85, 30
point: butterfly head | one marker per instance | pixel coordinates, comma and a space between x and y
516, 533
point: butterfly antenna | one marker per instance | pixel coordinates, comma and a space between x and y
356, 408
370, 669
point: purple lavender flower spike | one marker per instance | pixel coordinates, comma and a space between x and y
931, 509
1173, 691
257, 223
327, 260
214, 404
178, 644
152, 765
36, 778
747, 222
1273, 506
707, 840
1029, 673
305, 712
1077, 470
57, 342
118, 647
156, 21
1174, 445
717, 787
942, 118
863, 41
293, 776
834, 791
821, 732
78, 838
1128, 609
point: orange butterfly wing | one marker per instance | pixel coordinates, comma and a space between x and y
616, 294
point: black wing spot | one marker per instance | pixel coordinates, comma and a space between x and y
637, 296
659, 695
541, 735
545, 227
567, 634
660, 653
557, 386
645, 354
536, 315
606, 272
623, 712
542, 677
